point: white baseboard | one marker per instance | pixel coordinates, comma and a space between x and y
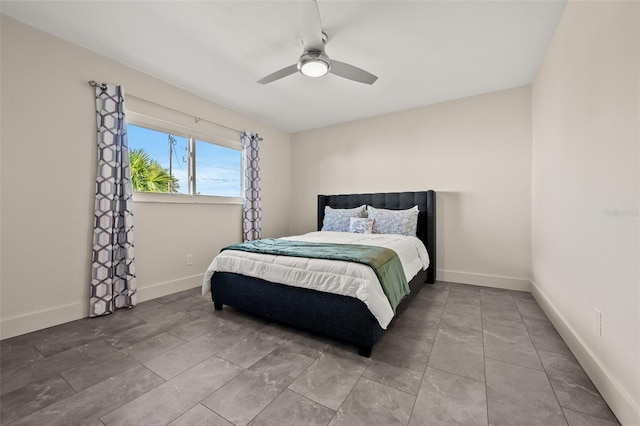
507, 283
33, 321
620, 401
169, 287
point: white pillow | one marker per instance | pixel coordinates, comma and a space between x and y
402, 222
361, 225
339, 219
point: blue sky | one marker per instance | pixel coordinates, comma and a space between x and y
218, 169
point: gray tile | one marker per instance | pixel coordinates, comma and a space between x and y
170, 320
425, 331
400, 378
244, 397
149, 305
529, 309
464, 300
63, 337
510, 344
240, 318
12, 355
168, 401
148, 310
176, 332
432, 301
191, 303
464, 287
371, 403
506, 316
449, 399
251, 349
230, 333
103, 361
33, 397
173, 297
202, 310
202, 301
545, 337
109, 325
183, 357
434, 292
293, 409
200, 415
154, 346
496, 296
283, 332
462, 318
137, 334
415, 313
414, 323
307, 344
522, 295
438, 285
40, 369
402, 352
520, 396
197, 327
88, 405
458, 351
331, 377
573, 387
464, 295
576, 418
28, 339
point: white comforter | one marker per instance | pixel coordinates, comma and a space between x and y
332, 276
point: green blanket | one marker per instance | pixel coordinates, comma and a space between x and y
383, 261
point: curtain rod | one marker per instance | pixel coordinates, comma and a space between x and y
92, 83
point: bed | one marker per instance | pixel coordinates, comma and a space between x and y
334, 315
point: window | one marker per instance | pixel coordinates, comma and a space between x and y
219, 170
173, 160
159, 161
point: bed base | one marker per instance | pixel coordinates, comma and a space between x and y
333, 315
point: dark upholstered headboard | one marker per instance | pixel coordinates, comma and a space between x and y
425, 200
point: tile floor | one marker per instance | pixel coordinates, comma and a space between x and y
459, 355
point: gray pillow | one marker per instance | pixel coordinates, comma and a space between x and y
339, 219
402, 222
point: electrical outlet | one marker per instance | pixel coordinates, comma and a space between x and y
597, 321
189, 259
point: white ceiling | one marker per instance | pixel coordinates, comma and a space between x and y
423, 52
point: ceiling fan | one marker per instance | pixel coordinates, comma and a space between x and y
314, 62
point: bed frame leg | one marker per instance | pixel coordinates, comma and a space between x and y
217, 306
365, 350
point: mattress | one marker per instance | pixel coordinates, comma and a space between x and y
332, 276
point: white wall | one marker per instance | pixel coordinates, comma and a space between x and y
475, 152
48, 181
586, 188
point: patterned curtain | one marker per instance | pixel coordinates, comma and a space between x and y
252, 211
113, 279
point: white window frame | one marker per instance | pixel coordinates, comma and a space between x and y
192, 135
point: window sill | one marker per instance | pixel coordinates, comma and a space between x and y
152, 197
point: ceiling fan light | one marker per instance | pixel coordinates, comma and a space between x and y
314, 64
314, 68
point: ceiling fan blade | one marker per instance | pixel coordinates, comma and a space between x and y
310, 26
352, 73
279, 74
